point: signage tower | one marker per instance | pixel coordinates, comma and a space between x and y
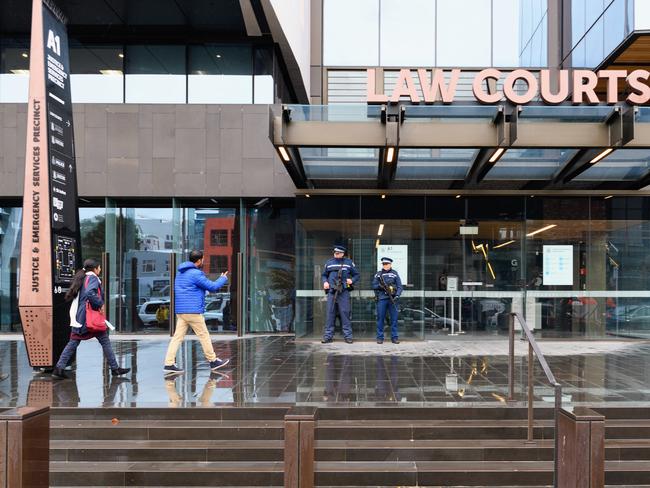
50, 247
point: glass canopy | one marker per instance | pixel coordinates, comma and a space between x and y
442, 164
324, 163
530, 164
623, 164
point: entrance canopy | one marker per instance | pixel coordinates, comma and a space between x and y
532, 147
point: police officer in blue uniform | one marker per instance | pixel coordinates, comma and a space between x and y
388, 287
339, 275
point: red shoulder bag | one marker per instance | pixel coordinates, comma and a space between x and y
95, 319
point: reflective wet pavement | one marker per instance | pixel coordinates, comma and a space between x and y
278, 370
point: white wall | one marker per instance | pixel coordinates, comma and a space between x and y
295, 19
642, 14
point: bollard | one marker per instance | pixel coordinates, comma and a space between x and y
25, 431
299, 434
581, 448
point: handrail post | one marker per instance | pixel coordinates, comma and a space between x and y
531, 366
299, 441
556, 456
511, 358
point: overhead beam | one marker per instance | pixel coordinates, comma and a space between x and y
576, 165
480, 167
642, 182
296, 169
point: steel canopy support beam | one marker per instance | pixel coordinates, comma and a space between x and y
296, 169
392, 118
480, 167
576, 165
641, 183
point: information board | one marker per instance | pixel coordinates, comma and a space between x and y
558, 265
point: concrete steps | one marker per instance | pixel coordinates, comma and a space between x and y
354, 447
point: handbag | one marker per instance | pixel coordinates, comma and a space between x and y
95, 319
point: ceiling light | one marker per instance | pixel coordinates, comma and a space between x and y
457, 196
219, 55
608, 197
25, 55
390, 154
497, 155
503, 244
307, 195
111, 72
284, 154
376, 243
601, 155
120, 55
383, 196
20, 71
541, 230
380, 231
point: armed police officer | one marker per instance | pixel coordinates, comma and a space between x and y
339, 276
388, 287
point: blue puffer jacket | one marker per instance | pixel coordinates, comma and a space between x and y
190, 287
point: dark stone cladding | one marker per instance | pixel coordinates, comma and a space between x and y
158, 151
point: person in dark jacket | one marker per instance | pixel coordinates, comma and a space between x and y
86, 288
339, 275
190, 288
389, 278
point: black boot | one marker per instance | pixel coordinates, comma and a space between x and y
58, 374
120, 371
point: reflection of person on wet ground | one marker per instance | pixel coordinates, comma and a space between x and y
386, 385
204, 400
338, 378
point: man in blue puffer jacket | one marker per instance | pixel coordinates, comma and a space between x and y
190, 288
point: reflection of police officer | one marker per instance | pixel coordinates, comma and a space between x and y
338, 276
388, 287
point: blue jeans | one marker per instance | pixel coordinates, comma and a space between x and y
384, 306
72, 346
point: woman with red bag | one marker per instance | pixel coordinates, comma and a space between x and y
87, 318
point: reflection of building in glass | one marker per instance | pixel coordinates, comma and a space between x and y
218, 244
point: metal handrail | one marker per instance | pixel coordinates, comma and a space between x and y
533, 347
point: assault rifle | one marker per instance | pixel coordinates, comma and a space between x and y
387, 289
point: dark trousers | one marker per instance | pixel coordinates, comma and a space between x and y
344, 309
72, 346
382, 307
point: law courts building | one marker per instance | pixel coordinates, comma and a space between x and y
498, 150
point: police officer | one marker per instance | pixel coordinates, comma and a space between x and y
339, 275
388, 287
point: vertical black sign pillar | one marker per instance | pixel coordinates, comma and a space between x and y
50, 251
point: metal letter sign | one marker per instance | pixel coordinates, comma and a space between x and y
50, 237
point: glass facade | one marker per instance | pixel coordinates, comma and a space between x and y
10, 226
575, 267
533, 35
597, 28
154, 73
140, 242
436, 33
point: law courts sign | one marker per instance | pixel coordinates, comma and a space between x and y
519, 86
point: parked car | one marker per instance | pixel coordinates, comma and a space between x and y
428, 316
214, 312
631, 318
147, 312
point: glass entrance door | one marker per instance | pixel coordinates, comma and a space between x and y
215, 232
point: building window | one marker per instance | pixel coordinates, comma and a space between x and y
218, 237
148, 265
218, 264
